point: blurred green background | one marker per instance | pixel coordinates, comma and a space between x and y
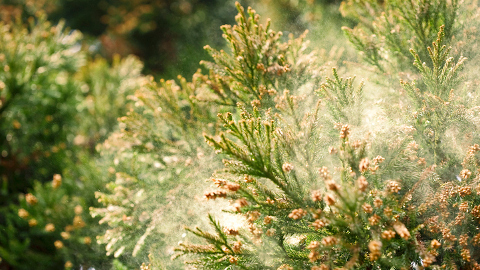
169, 35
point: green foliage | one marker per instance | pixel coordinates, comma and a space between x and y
257, 62
159, 32
440, 109
387, 30
310, 170
371, 212
37, 72
160, 151
157, 156
105, 88
443, 76
55, 105
342, 96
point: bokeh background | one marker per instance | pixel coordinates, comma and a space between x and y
169, 35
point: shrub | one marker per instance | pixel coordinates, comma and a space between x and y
319, 173
160, 151
56, 103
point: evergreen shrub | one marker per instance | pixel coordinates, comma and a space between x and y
56, 104
320, 171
